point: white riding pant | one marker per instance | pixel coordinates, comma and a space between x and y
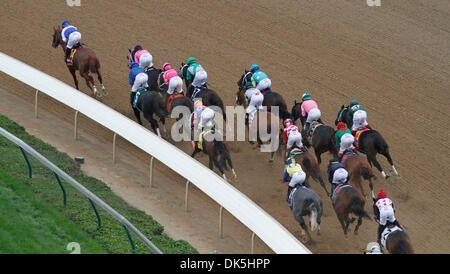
298, 177
295, 137
140, 82
264, 84
313, 115
359, 120
206, 119
175, 85
386, 214
74, 38
200, 78
254, 105
146, 60
346, 142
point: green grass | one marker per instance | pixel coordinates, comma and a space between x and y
111, 236
30, 225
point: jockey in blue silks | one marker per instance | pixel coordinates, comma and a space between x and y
260, 80
71, 36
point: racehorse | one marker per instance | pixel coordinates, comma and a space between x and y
213, 149
209, 96
270, 98
84, 60
261, 117
149, 103
397, 241
358, 168
174, 100
152, 72
370, 143
309, 166
305, 202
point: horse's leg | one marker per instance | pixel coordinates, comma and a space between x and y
86, 77
72, 71
229, 161
196, 150
372, 158
303, 226
318, 152
357, 225
99, 76
386, 154
153, 123
137, 113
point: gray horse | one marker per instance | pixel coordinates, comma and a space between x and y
307, 203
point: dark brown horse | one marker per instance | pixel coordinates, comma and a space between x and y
348, 201
270, 99
309, 166
213, 149
370, 143
262, 117
398, 242
85, 61
358, 169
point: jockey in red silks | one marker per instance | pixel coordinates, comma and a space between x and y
291, 136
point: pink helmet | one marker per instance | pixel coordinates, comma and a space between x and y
167, 66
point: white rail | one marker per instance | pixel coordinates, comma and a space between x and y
240, 206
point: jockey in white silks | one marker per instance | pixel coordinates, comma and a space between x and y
71, 36
255, 99
346, 144
359, 120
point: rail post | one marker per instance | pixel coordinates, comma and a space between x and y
186, 197
30, 170
99, 220
151, 171
75, 126
114, 148
62, 188
36, 104
221, 222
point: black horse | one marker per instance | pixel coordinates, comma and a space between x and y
209, 96
270, 98
323, 138
370, 143
149, 103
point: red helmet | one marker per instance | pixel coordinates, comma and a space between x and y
340, 125
287, 122
381, 194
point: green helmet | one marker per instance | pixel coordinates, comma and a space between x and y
306, 96
191, 61
353, 103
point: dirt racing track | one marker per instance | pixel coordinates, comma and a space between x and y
393, 59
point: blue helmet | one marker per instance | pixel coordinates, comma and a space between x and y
65, 24
254, 68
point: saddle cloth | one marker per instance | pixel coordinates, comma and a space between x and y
336, 191
357, 135
170, 101
200, 138
346, 155
388, 230
136, 97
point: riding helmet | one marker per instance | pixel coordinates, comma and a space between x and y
167, 66
287, 122
353, 103
254, 68
306, 96
381, 194
65, 24
191, 61
340, 125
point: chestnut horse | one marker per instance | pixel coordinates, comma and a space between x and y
359, 168
309, 166
84, 60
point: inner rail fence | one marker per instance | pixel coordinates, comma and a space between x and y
270, 231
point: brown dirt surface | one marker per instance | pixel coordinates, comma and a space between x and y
393, 59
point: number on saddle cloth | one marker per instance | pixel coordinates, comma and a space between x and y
136, 97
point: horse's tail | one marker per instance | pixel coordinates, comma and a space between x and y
356, 207
312, 171
220, 147
284, 113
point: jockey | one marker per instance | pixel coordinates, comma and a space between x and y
384, 212
71, 37
298, 179
145, 60
255, 99
137, 79
310, 112
171, 78
196, 73
358, 116
291, 136
260, 80
337, 174
346, 144
138, 52
342, 129
290, 169
373, 248
202, 117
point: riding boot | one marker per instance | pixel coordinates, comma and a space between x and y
307, 126
380, 230
288, 193
246, 119
66, 56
